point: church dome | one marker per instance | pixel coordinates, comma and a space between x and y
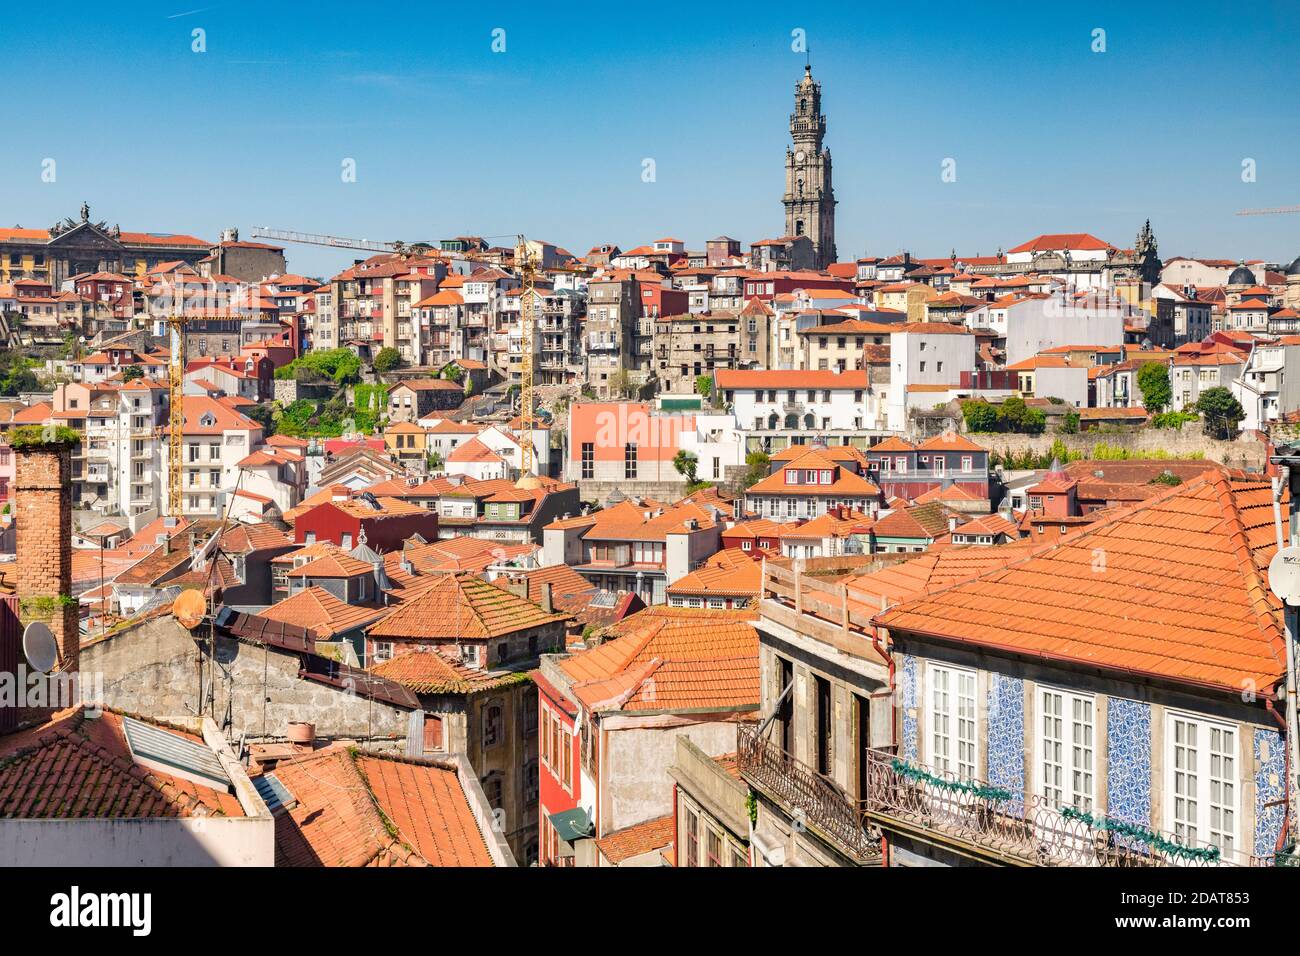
1241, 276
1294, 268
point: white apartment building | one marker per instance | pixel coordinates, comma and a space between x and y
925, 359
1269, 386
216, 438
1189, 375
118, 467
800, 402
1032, 324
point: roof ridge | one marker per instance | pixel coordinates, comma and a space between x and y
1029, 555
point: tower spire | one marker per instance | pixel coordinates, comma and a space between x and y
809, 196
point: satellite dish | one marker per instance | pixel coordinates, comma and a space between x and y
39, 647
1284, 576
189, 607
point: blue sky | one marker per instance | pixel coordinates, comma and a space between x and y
548, 138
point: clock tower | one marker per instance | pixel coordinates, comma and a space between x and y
809, 198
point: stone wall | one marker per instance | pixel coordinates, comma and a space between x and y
1246, 452
288, 391
598, 492
151, 667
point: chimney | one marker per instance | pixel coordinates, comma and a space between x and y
952, 523
547, 604
43, 500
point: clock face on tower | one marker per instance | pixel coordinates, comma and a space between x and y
799, 156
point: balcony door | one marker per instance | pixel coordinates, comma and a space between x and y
825, 727
785, 712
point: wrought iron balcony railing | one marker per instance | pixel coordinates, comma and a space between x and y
821, 803
997, 823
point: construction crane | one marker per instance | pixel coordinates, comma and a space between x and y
176, 409
1274, 211
526, 260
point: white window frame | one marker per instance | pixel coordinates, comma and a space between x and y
1057, 749
1196, 825
944, 717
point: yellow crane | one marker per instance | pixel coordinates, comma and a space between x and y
527, 264
176, 410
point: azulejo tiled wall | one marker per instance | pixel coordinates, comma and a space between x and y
911, 705
1128, 761
1270, 781
1006, 734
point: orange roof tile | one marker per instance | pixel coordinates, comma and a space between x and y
465, 607
729, 573
320, 612
638, 839
355, 809
1181, 595
72, 766
667, 658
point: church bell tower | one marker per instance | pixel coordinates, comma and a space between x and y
809, 197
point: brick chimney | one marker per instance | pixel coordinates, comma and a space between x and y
43, 502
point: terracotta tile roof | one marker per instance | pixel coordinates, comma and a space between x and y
627, 521
254, 537
845, 482
154, 566
915, 521
210, 416
1182, 594
463, 606
836, 453
388, 508
893, 443
355, 809
1091, 414
334, 563
76, 767
729, 573
432, 672
1067, 240
800, 380
321, 612
832, 524
637, 839
667, 658
954, 492
993, 524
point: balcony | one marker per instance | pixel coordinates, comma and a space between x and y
821, 804
999, 826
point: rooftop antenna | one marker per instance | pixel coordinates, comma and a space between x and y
39, 647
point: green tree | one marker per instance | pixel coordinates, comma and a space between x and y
1012, 412
980, 416
1070, 423
704, 385
620, 384
686, 464
453, 373
1153, 383
388, 359
758, 463
1221, 412
131, 373
1033, 421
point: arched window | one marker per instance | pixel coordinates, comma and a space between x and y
798, 227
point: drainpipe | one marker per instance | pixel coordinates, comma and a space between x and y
1293, 743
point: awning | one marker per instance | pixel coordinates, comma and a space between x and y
571, 825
